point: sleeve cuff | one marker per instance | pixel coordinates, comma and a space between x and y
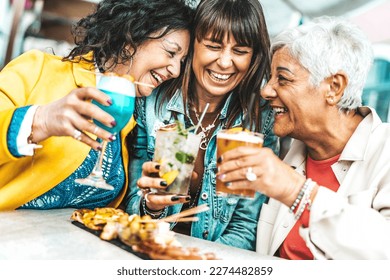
19, 131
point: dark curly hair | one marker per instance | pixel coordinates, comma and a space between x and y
117, 24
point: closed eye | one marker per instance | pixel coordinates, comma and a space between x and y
241, 52
171, 53
213, 47
283, 80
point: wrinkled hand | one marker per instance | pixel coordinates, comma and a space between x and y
150, 179
275, 178
74, 112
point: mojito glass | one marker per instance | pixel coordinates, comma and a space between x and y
176, 150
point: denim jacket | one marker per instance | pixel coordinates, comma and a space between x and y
230, 221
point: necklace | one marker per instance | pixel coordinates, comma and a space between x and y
205, 131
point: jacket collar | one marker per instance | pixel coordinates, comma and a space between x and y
357, 145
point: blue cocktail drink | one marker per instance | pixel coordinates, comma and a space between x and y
121, 92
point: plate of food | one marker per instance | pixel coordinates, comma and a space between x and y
143, 236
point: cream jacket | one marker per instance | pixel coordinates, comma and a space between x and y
353, 223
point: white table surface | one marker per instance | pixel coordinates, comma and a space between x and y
50, 235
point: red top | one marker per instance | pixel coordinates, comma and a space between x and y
320, 171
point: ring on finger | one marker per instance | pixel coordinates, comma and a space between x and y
77, 134
146, 196
250, 175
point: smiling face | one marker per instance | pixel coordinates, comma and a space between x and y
219, 66
157, 60
299, 107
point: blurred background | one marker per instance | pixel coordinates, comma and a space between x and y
46, 25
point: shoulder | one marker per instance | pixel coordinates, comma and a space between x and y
33, 57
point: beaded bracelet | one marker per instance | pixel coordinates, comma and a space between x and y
306, 201
300, 195
153, 214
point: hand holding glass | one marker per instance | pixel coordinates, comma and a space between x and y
228, 140
176, 150
122, 94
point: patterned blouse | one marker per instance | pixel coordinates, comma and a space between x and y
73, 195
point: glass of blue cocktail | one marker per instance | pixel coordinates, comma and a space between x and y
121, 91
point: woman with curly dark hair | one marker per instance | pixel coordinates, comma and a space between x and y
44, 97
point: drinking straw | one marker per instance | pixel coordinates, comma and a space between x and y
201, 117
245, 121
144, 84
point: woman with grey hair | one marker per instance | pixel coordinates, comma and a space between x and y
330, 197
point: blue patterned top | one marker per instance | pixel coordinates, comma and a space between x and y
71, 194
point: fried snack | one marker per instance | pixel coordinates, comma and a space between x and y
96, 219
142, 234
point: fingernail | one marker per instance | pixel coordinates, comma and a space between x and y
219, 160
113, 123
157, 167
175, 198
228, 184
112, 137
163, 183
109, 101
99, 148
221, 177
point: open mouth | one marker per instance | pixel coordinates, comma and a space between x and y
157, 77
219, 77
279, 110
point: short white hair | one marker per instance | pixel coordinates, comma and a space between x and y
327, 45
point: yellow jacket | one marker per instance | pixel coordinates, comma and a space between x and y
39, 78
